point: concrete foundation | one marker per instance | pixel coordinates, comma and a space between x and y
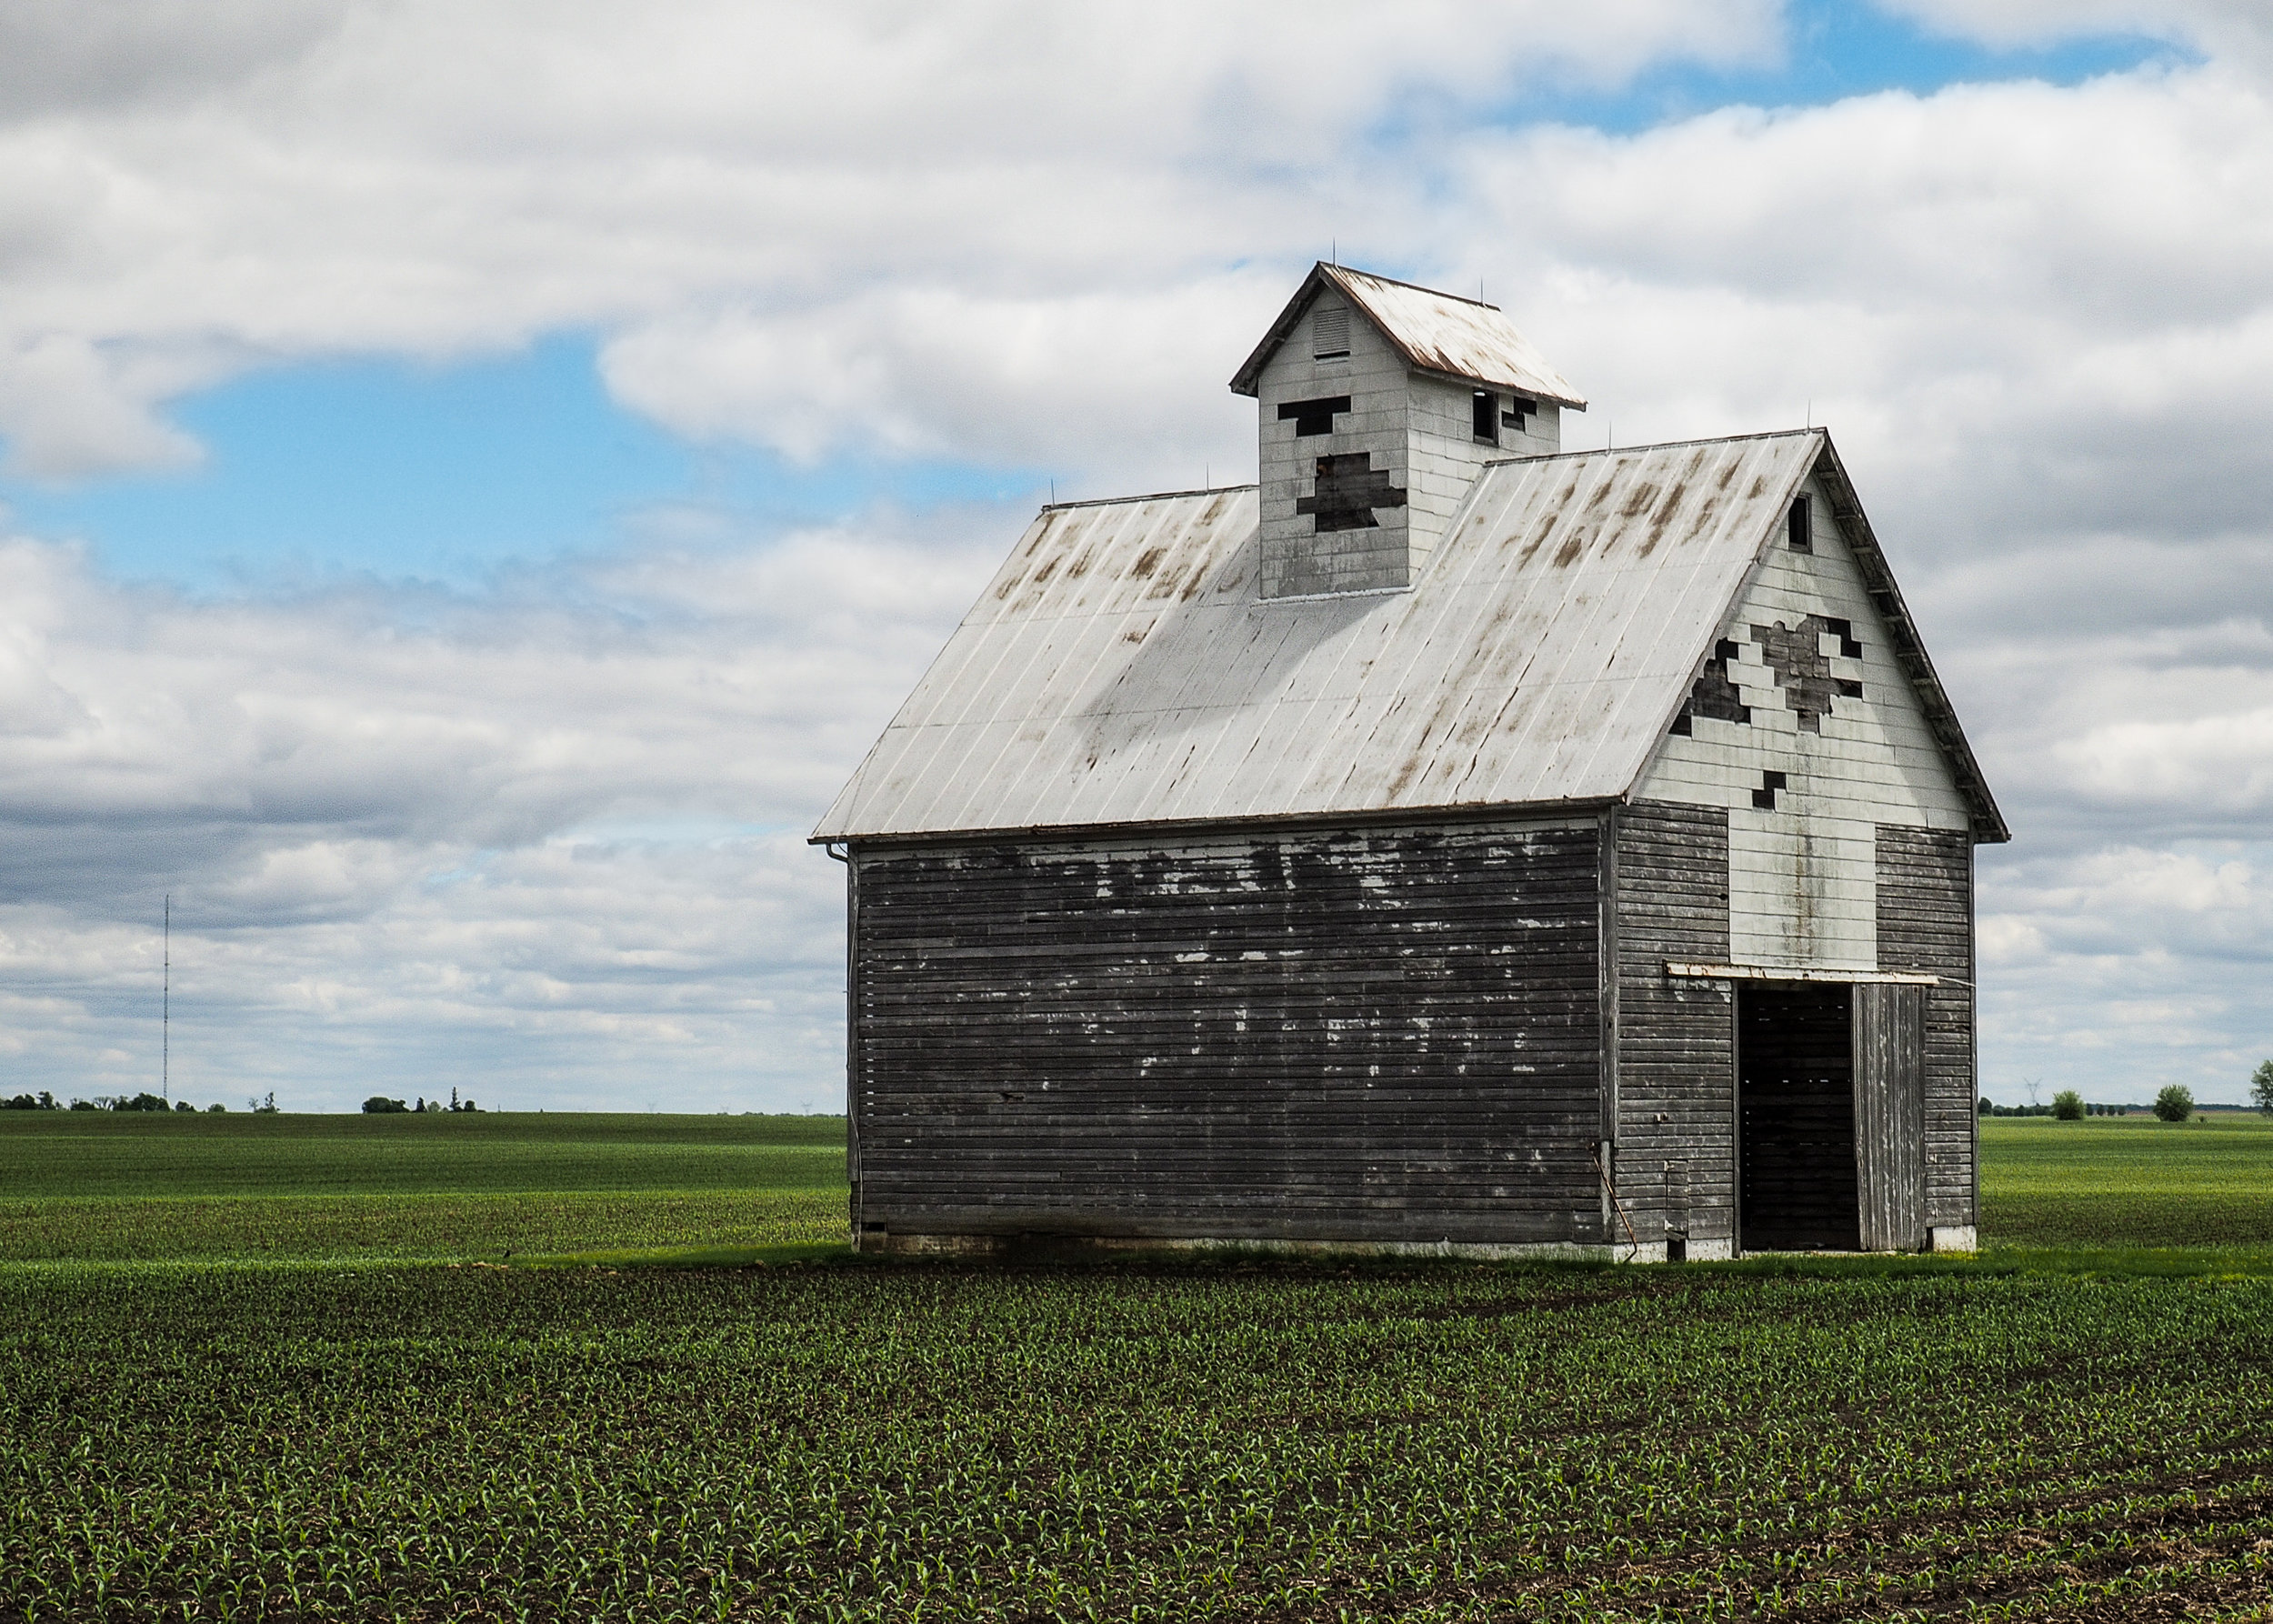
883, 1244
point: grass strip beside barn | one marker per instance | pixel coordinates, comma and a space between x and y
2128, 1182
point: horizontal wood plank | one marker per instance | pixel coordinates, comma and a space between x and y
1385, 1035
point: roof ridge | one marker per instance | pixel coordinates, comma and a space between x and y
1548, 456
1498, 462
1435, 293
1206, 490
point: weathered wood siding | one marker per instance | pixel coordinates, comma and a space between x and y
1890, 1116
1369, 1035
1676, 1074
1925, 904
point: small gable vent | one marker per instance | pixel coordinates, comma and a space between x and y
1799, 527
1329, 332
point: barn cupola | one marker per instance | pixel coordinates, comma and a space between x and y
1379, 403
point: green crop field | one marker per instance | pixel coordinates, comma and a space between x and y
2127, 1181
85, 1185
389, 1423
100, 1153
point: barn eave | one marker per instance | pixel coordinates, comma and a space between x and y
1374, 818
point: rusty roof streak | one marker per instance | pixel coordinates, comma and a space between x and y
1437, 332
1498, 679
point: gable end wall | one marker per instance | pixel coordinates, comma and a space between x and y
1677, 1058
1803, 873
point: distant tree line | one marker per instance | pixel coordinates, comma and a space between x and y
260, 1107
379, 1105
2174, 1104
45, 1101
2067, 1106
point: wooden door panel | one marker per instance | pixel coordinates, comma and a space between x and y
1890, 1116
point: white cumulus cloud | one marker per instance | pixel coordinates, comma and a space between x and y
545, 844
551, 828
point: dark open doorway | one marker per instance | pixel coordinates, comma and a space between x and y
1796, 1118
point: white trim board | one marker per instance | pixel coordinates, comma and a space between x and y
1681, 970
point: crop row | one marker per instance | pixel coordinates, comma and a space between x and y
412, 1226
442, 1161
1131, 1443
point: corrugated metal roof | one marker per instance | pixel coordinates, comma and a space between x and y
1120, 669
1437, 332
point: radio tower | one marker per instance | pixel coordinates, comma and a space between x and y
165, 1009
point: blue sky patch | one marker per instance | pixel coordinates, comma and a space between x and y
1836, 49
442, 473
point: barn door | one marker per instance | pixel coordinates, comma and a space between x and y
1796, 1118
1890, 1116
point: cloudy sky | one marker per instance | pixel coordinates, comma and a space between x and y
476, 477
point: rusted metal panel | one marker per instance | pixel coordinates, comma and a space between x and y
1436, 332
1120, 669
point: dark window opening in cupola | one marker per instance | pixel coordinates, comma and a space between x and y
1484, 418
1799, 526
1314, 416
1348, 490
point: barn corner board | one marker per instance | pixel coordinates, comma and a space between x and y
1447, 843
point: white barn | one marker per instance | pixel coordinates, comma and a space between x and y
1448, 842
